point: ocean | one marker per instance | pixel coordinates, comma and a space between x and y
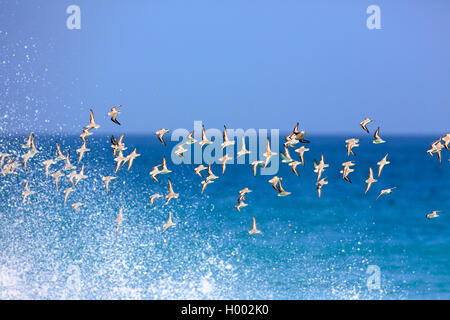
345, 245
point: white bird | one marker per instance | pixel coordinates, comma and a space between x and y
160, 133
319, 185
68, 165
255, 165
364, 124
224, 160
119, 219
243, 150
226, 142
171, 195
81, 151
169, 223
59, 155
268, 154
26, 191
180, 150
204, 140
382, 163
106, 180
66, 194
433, 214
131, 157
386, 191
47, 164
154, 197
254, 230
377, 139
199, 169
370, 180
56, 175
286, 156
114, 113
301, 151
92, 124
76, 206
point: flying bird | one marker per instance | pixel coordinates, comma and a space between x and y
370, 180
155, 171
243, 150
300, 134
281, 191
76, 206
26, 191
114, 113
59, 155
56, 175
190, 139
226, 142
254, 230
205, 182
382, 163
286, 157
224, 160
319, 185
364, 124
268, 154
85, 134
204, 140
199, 169
319, 168
119, 219
119, 159
433, 214
106, 180
293, 166
66, 194
47, 164
346, 170
81, 151
255, 165
180, 150
301, 151
385, 191
350, 144
377, 139
92, 124
154, 197
171, 195
160, 133
68, 165
169, 223
131, 157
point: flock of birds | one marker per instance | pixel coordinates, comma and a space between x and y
118, 148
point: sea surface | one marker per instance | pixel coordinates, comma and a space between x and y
310, 248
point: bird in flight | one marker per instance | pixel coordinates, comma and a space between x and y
254, 230
364, 124
160, 133
226, 142
433, 214
26, 191
376, 137
106, 180
386, 191
370, 180
169, 223
114, 113
382, 163
92, 124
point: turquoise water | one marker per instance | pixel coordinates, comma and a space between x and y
310, 248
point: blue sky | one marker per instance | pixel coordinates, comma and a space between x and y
246, 64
